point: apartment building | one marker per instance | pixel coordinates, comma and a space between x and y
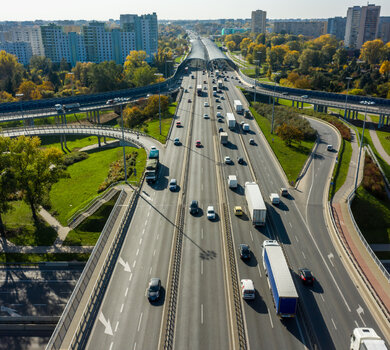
258, 23
336, 27
305, 27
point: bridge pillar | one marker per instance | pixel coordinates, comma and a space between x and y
315, 107
345, 114
302, 105
292, 103
98, 120
387, 120
325, 109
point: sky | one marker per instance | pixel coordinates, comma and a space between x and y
23, 10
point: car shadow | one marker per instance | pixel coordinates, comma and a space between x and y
161, 300
239, 190
230, 145
257, 304
283, 206
252, 261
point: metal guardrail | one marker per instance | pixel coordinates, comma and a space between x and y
72, 305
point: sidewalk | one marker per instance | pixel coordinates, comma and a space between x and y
377, 142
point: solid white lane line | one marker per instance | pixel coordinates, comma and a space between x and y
137, 252
154, 252
140, 241
270, 319
357, 324
303, 255
148, 213
135, 261
158, 235
202, 233
334, 325
258, 268
127, 290
116, 327
150, 271
201, 313
296, 238
322, 298
139, 322
111, 345
290, 224
131, 276
250, 232
201, 267
135, 346
122, 308
143, 231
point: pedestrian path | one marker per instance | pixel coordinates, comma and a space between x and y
377, 143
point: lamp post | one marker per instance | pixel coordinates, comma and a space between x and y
366, 103
124, 145
21, 108
159, 100
346, 96
256, 62
273, 105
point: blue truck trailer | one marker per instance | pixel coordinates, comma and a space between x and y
281, 284
152, 165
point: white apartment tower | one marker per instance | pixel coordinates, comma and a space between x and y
258, 21
29, 34
362, 25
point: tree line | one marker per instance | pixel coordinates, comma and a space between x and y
27, 172
322, 63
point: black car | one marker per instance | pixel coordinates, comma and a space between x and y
154, 289
245, 252
240, 160
220, 130
306, 276
194, 208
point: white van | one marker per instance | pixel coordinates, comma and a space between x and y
247, 289
274, 198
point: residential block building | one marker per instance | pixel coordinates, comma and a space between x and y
258, 24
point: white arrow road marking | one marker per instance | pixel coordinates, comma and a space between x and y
106, 324
330, 257
360, 311
11, 312
124, 264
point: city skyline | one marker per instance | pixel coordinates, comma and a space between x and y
169, 10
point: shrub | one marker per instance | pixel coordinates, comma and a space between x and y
74, 157
372, 179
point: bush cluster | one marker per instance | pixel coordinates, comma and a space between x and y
286, 116
372, 179
75, 157
117, 172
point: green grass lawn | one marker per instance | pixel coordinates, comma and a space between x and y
74, 142
292, 159
385, 142
372, 216
73, 193
152, 127
70, 118
21, 229
88, 232
36, 258
340, 171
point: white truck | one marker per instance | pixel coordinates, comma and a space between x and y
366, 339
256, 205
232, 181
224, 137
220, 84
238, 106
231, 121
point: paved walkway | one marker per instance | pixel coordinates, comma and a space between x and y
377, 143
52, 221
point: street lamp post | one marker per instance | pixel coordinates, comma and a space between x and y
159, 100
256, 62
366, 103
273, 105
124, 145
346, 97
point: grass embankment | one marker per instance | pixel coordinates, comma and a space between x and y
372, 216
37, 258
384, 138
293, 158
152, 127
73, 142
73, 193
22, 230
88, 232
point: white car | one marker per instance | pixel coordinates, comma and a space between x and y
206, 104
219, 115
228, 160
205, 116
329, 148
210, 212
173, 184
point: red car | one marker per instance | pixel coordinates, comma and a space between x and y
178, 124
198, 144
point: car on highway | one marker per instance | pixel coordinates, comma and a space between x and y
205, 88
240, 160
109, 102
220, 130
210, 212
217, 100
219, 107
173, 185
219, 115
285, 93
194, 208
198, 143
178, 124
284, 192
176, 141
220, 120
154, 289
185, 90
228, 160
329, 148
206, 104
304, 96
205, 116
247, 289
237, 210
189, 100
222, 98
306, 276
245, 251
251, 141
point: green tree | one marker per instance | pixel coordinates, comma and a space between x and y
143, 76
151, 109
7, 180
35, 169
289, 133
231, 45
41, 65
106, 76
132, 117
11, 72
309, 58
372, 51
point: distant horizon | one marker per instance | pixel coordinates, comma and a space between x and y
172, 10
